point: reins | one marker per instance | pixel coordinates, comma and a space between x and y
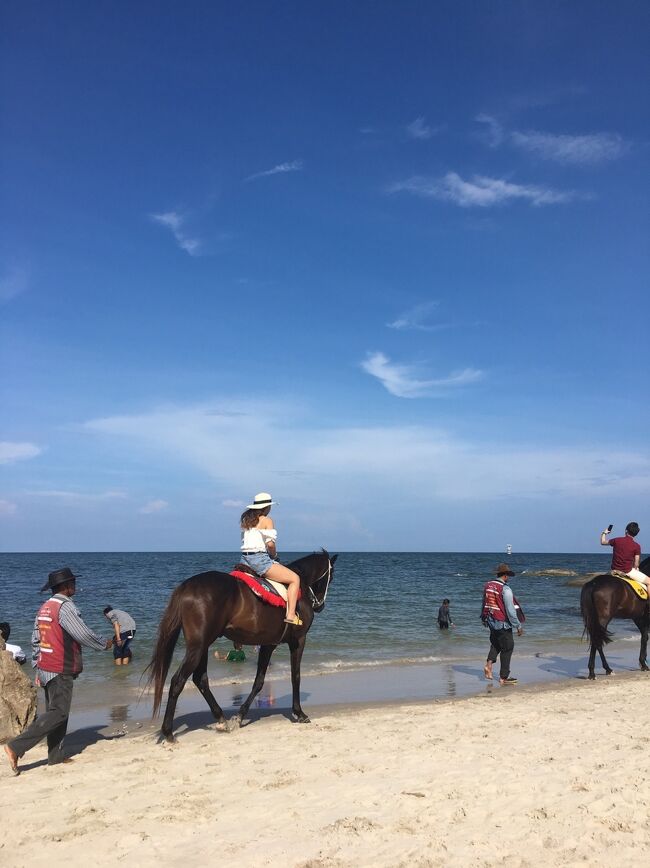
315, 602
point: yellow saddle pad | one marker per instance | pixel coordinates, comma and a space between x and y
640, 590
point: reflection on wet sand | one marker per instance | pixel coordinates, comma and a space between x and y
266, 699
119, 713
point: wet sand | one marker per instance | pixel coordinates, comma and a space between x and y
114, 706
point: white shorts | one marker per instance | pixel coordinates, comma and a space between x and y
638, 576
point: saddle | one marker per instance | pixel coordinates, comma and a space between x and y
640, 590
266, 589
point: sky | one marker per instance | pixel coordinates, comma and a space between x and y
387, 261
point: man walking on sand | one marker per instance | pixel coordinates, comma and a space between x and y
58, 635
502, 614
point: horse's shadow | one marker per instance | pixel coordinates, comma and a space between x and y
570, 667
185, 723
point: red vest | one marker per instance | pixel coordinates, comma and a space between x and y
59, 652
493, 605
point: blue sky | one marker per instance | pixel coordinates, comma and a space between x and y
388, 261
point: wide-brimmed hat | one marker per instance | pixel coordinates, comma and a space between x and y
503, 570
59, 577
261, 501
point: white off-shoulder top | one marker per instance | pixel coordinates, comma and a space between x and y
255, 538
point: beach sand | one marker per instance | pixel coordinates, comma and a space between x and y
548, 775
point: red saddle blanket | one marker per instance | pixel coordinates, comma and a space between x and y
259, 586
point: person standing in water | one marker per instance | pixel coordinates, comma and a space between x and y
444, 616
259, 551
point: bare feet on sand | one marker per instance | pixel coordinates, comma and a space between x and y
13, 760
487, 670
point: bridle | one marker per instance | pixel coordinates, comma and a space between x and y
315, 602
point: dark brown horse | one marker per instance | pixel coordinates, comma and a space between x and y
216, 604
606, 597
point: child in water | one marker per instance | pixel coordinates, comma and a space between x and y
259, 551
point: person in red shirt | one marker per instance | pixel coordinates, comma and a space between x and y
626, 554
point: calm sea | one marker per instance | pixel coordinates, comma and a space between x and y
381, 608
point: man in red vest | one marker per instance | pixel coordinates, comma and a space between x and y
502, 614
58, 635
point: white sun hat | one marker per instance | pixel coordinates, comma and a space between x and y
261, 501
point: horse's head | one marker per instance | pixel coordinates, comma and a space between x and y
316, 572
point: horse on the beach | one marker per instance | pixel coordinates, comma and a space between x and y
215, 604
606, 597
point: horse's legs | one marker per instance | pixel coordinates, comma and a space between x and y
592, 661
643, 624
606, 667
193, 655
263, 660
200, 678
297, 647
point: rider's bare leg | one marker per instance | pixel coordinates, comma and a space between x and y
286, 577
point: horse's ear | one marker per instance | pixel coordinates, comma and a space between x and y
333, 559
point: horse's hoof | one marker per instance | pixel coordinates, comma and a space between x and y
222, 726
609, 672
167, 739
300, 718
645, 668
591, 677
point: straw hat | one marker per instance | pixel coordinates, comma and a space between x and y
261, 501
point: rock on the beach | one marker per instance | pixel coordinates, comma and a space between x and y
17, 697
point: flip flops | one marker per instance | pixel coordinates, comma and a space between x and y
295, 622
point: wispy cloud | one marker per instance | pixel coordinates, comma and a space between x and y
153, 506
14, 282
480, 191
493, 133
80, 496
403, 382
415, 318
399, 463
7, 507
175, 222
233, 504
10, 452
583, 150
280, 169
419, 129
590, 149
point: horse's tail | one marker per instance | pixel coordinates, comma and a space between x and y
598, 635
168, 632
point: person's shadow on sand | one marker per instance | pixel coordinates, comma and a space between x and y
76, 743
471, 670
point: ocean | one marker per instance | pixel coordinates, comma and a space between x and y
380, 613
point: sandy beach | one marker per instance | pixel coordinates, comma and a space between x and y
553, 774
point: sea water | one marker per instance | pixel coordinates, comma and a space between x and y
380, 612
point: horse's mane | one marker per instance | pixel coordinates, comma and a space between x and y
644, 566
297, 564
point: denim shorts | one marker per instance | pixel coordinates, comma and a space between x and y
261, 562
124, 650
